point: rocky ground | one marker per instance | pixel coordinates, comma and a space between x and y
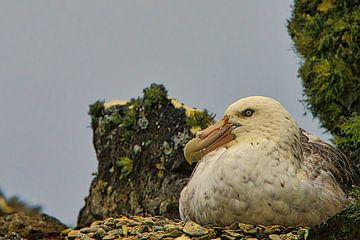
18, 226
153, 228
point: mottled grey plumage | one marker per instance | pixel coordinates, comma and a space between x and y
320, 155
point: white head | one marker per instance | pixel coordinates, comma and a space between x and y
260, 117
248, 120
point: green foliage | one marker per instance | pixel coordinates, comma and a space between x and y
350, 130
126, 165
326, 35
154, 95
96, 110
355, 207
127, 125
200, 118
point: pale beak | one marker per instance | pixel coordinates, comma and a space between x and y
209, 140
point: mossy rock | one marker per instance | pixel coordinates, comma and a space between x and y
40, 226
139, 146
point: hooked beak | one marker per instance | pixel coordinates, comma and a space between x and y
209, 140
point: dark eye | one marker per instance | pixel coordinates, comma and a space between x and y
248, 112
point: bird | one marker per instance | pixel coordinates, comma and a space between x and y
256, 166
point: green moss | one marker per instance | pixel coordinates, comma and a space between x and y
126, 165
96, 110
351, 129
200, 118
101, 186
154, 95
355, 207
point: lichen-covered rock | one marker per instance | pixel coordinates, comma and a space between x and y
139, 149
163, 228
14, 204
40, 226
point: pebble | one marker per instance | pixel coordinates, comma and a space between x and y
274, 237
100, 233
194, 229
109, 237
89, 229
183, 237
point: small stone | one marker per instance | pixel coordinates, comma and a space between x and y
132, 238
89, 229
133, 223
227, 237
74, 233
274, 237
159, 228
100, 233
125, 230
98, 222
110, 223
233, 234
66, 231
248, 228
149, 222
106, 227
194, 229
272, 229
92, 234
139, 229
173, 234
183, 237
233, 226
116, 232
156, 235
109, 237
171, 227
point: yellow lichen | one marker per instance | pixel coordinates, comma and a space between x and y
4, 207
325, 5
195, 129
189, 111
115, 102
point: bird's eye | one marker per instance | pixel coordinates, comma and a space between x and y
248, 112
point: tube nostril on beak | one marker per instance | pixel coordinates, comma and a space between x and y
236, 125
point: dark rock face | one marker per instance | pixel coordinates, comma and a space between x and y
139, 149
22, 226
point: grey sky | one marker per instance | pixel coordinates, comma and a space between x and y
57, 57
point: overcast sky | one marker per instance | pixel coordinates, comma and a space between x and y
57, 57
